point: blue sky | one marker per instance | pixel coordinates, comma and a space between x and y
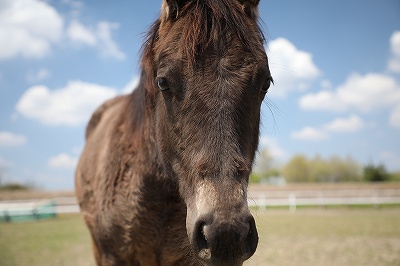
336, 66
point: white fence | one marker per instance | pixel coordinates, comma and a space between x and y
27, 207
292, 201
68, 205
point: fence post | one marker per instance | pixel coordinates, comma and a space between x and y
292, 202
263, 202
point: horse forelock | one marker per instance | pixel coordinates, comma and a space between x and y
202, 24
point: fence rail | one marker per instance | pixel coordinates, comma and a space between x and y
25, 210
292, 200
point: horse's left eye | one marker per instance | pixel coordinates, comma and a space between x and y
267, 84
162, 84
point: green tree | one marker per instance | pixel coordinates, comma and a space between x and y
13, 187
1, 175
297, 170
374, 173
265, 162
317, 169
345, 170
395, 176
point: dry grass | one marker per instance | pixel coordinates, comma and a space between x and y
328, 237
62, 241
305, 237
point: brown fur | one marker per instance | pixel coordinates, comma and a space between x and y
150, 157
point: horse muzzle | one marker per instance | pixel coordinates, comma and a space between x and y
223, 241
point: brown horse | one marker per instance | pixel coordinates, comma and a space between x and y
163, 177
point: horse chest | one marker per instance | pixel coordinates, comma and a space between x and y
155, 233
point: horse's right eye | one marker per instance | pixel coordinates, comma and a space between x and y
162, 84
267, 84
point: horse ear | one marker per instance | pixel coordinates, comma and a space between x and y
170, 8
250, 7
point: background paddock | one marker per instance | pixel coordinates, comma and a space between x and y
312, 236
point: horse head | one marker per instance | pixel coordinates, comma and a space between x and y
207, 73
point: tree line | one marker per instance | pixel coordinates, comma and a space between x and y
302, 169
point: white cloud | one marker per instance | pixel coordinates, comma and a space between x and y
310, 134
76, 6
291, 68
107, 45
37, 76
71, 105
63, 161
362, 93
326, 84
394, 62
78, 34
28, 28
394, 65
351, 124
99, 37
394, 119
395, 43
8, 139
323, 100
339, 125
272, 146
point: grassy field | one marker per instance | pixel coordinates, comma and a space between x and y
328, 237
305, 237
62, 241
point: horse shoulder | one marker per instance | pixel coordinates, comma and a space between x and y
94, 155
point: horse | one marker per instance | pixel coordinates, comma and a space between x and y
163, 176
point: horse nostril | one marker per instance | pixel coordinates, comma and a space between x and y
202, 247
251, 240
233, 241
